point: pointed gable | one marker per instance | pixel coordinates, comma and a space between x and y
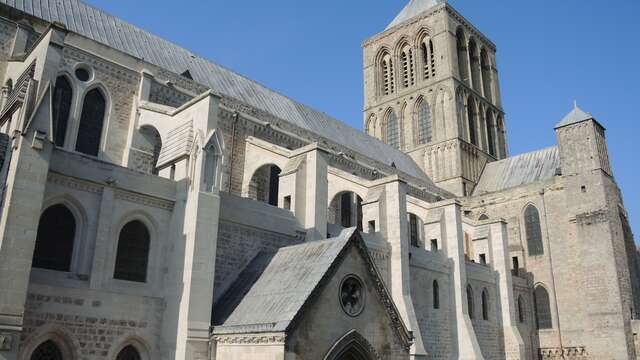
576, 115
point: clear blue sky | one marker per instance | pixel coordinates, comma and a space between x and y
550, 52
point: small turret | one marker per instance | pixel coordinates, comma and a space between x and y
582, 143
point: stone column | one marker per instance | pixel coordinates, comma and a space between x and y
498, 243
395, 229
453, 245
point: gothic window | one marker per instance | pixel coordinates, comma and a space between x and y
62, 97
471, 118
54, 240
128, 353
343, 212
414, 232
406, 57
463, 56
48, 350
533, 231
393, 131
132, 256
428, 59
425, 123
387, 75
520, 309
485, 66
436, 295
91, 122
490, 137
470, 301
543, 308
485, 304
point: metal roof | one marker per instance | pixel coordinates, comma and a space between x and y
413, 9
272, 289
575, 116
114, 32
519, 170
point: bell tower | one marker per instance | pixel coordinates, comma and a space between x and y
431, 90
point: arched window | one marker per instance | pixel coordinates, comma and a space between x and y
425, 123
542, 307
48, 350
54, 240
408, 79
436, 295
520, 309
393, 131
91, 122
387, 75
265, 184
463, 56
471, 118
470, 301
483, 217
485, 66
533, 231
132, 256
490, 138
475, 65
62, 97
414, 231
485, 304
128, 353
428, 59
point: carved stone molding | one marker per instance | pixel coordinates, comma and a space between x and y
251, 339
74, 183
144, 200
576, 352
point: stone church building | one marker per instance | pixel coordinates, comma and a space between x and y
155, 205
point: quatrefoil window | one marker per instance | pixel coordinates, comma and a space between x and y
352, 295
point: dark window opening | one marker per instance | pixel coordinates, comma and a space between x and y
91, 123
83, 74
274, 183
483, 259
413, 230
62, 98
543, 308
287, 202
345, 210
434, 244
515, 265
48, 350
485, 305
128, 353
133, 252
372, 226
55, 238
533, 231
436, 295
470, 301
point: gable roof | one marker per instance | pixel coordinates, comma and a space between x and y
576, 115
272, 291
413, 9
114, 32
519, 170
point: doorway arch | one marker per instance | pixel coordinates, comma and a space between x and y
352, 346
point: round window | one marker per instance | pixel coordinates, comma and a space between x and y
83, 74
352, 295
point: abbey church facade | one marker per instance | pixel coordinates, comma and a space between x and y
155, 205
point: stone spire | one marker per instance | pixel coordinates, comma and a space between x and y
414, 8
